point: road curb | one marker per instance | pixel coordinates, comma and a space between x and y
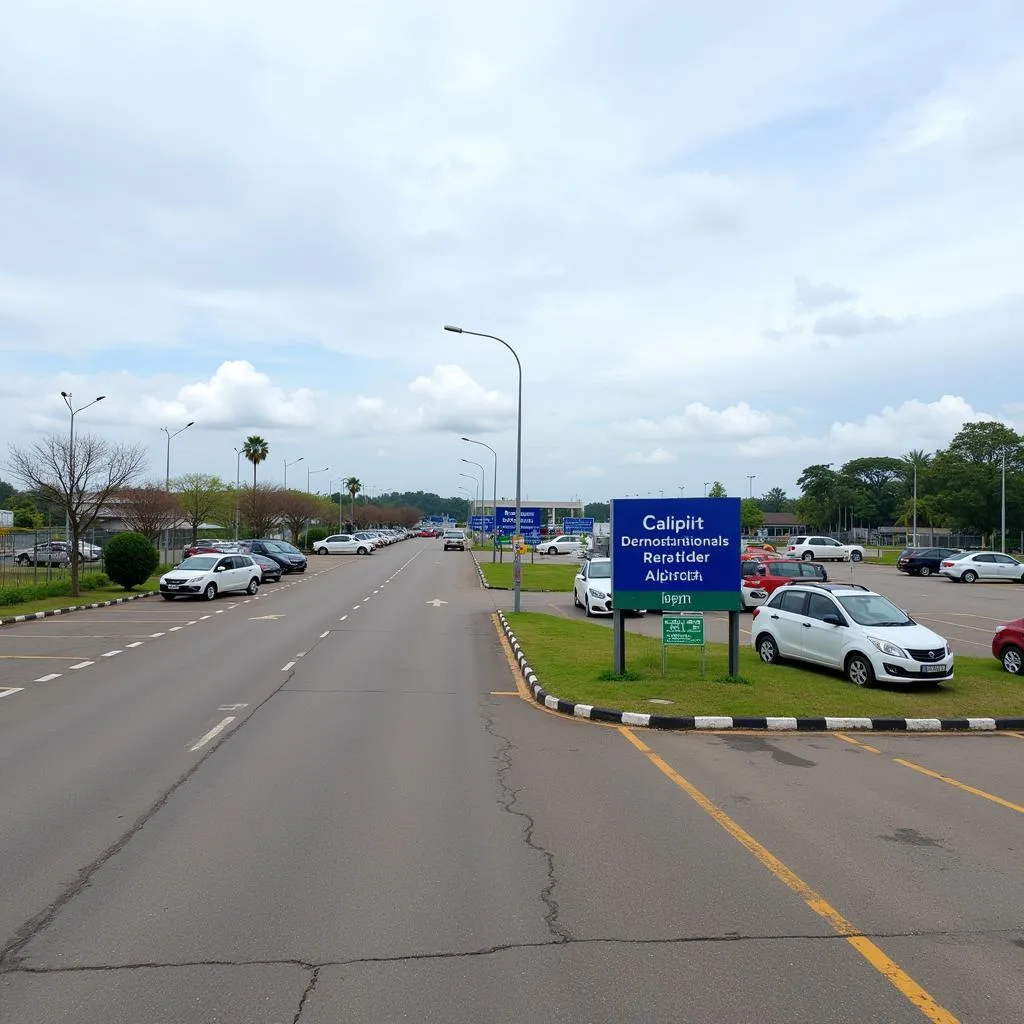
781, 723
11, 619
483, 579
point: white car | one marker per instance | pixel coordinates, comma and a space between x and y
369, 535
592, 588
563, 544
209, 575
343, 544
851, 629
823, 549
971, 566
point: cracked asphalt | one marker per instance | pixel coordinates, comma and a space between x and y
326, 806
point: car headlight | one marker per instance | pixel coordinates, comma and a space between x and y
887, 648
999, 629
599, 595
949, 651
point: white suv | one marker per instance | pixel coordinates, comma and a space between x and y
823, 549
852, 629
563, 544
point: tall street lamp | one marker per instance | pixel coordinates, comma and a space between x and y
476, 485
517, 561
483, 482
310, 472
238, 484
751, 477
468, 493
67, 396
914, 541
707, 484
494, 482
286, 465
1002, 546
171, 435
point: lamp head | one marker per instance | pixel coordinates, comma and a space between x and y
454, 330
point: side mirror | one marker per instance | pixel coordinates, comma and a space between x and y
220, 568
833, 620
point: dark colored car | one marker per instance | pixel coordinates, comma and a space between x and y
1008, 646
289, 557
271, 570
923, 561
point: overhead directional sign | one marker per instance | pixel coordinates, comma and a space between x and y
529, 519
676, 554
584, 524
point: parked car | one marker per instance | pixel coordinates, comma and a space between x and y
53, 552
823, 549
763, 576
343, 544
970, 566
209, 575
369, 536
201, 545
455, 539
592, 587
289, 557
1008, 646
923, 561
563, 544
270, 571
89, 552
852, 629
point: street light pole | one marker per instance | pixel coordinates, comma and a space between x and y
238, 485
707, 484
73, 541
167, 477
517, 561
1002, 546
751, 477
483, 482
914, 541
476, 486
286, 465
494, 484
310, 472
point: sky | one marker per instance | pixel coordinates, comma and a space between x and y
724, 240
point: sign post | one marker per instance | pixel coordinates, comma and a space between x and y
676, 555
683, 629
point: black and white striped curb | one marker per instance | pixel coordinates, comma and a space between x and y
483, 578
10, 619
779, 723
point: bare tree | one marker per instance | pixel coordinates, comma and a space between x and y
79, 479
261, 507
296, 509
202, 498
148, 509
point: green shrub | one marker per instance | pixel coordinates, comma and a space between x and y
130, 559
314, 534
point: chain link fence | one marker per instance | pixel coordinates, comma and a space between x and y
44, 555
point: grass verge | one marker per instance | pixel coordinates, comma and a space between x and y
535, 576
572, 660
96, 596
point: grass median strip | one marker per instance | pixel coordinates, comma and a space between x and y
87, 597
573, 661
536, 576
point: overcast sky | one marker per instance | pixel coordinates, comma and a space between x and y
725, 239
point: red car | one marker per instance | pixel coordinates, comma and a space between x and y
204, 546
1008, 646
763, 575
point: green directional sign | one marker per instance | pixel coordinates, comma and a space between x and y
683, 630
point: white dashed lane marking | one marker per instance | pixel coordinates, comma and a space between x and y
138, 643
110, 654
215, 731
288, 666
155, 635
82, 664
47, 678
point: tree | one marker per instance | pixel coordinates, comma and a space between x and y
7, 492
775, 500
353, 485
26, 515
78, 480
599, 511
718, 490
148, 509
202, 497
256, 450
260, 507
751, 514
296, 509
874, 483
130, 559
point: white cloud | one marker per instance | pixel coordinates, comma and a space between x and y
817, 296
850, 324
700, 422
658, 457
589, 472
453, 401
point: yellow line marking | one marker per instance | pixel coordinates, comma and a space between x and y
960, 785
887, 967
1019, 735
39, 657
855, 742
956, 625
504, 693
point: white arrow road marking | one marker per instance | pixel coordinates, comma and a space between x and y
436, 602
215, 731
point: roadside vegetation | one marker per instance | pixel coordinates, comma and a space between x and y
536, 576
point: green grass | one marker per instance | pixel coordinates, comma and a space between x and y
572, 660
887, 556
96, 596
535, 576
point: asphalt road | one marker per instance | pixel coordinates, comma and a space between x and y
329, 804
966, 615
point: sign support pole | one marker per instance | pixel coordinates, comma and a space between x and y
618, 641
734, 643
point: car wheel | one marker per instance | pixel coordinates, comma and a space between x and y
855, 556
1012, 658
575, 599
321, 551
924, 571
807, 556
210, 592
552, 550
254, 585
363, 551
168, 597
767, 649
303, 569
587, 608
969, 576
24, 560
859, 671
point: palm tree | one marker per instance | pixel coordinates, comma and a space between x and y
353, 486
256, 451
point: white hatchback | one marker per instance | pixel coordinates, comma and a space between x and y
971, 566
343, 544
563, 544
849, 628
209, 575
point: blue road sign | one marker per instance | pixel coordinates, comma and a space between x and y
581, 525
485, 523
529, 519
677, 554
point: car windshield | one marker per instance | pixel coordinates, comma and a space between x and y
274, 545
874, 610
283, 545
600, 570
203, 562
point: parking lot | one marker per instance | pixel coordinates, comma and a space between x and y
965, 614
